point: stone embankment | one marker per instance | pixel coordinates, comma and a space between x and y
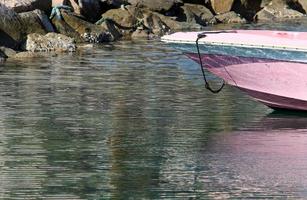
57, 25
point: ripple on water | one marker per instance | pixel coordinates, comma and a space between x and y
133, 120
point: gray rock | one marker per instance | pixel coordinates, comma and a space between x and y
27, 5
31, 21
8, 51
277, 11
12, 31
49, 42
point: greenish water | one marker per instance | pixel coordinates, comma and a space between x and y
132, 120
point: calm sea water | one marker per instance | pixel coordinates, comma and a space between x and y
132, 120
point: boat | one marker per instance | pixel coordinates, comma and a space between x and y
269, 66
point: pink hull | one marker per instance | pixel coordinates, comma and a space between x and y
277, 84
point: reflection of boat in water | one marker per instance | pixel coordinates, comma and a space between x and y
280, 121
270, 66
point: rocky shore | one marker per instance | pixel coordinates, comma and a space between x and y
31, 26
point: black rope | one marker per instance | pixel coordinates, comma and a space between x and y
207, 85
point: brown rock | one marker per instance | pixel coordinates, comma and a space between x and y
197, 14
123, 18
90, 32
155, 5
221, 6
153, 22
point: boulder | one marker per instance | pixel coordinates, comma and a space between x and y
49, 42
299, 5
247, 8
303, 4
123, 18
277, 10
230, 17
155, 5
27, 5
221, 6
114, 3
199, 14
90, 9
175, 25
11, 30
63, 28
91, 32
71, 3
32, 22
131, 19
8, 52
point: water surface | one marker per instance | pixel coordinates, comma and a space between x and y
132, 120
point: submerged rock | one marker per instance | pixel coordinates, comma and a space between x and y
230, 17
8, 51
49, 42
3, 57
32, 55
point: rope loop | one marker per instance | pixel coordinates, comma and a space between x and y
207, 85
